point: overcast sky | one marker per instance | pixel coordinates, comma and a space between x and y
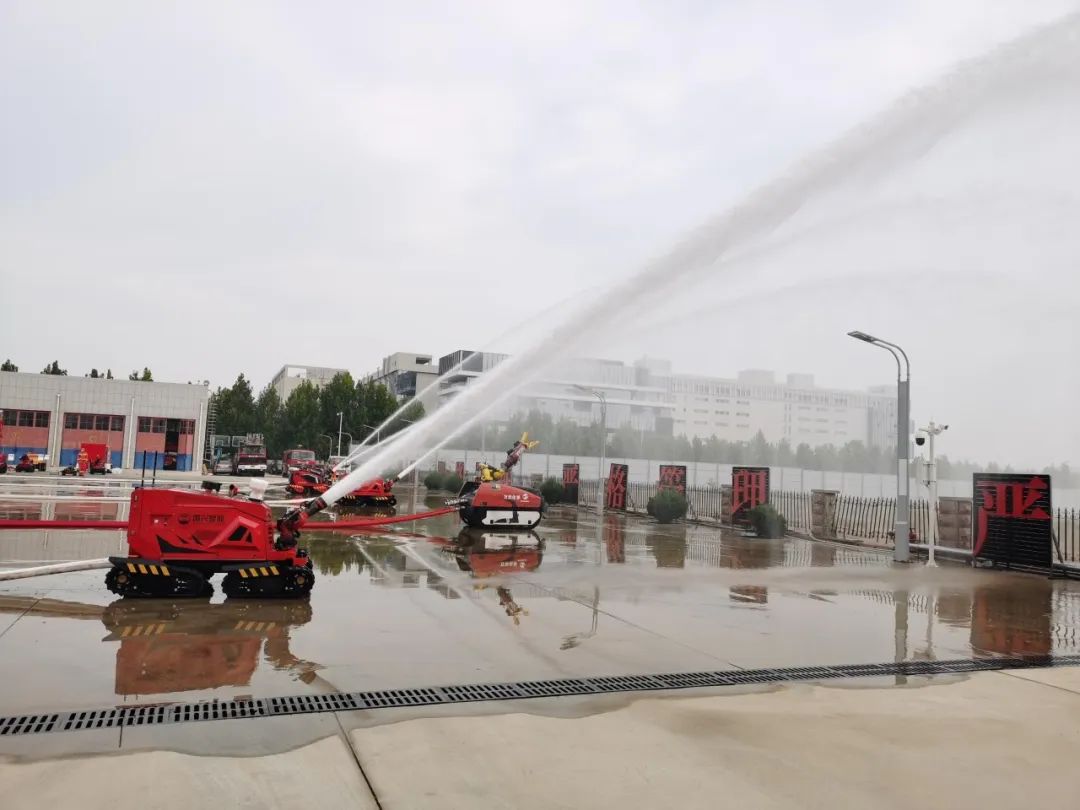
208, 188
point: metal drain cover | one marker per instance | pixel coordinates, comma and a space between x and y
158, 714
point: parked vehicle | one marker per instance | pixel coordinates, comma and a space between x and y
223, 466
250, 458
26, 463
295, 459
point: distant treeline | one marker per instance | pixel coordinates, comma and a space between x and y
567, 438
310, 415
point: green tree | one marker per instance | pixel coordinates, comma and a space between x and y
826, 458
413, 412
804, 456
54, 368
144, 376
269, 420
338, 396
235, 408
760, 451
108, 374
9, 366
785, 456
375, 403
93, 374
852, 457
302, 421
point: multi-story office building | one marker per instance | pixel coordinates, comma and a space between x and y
409, 375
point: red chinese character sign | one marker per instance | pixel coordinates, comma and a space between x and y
1012, 520
570, 479
749, 488
615, 496
673, 476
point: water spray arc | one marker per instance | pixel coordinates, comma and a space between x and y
907, 129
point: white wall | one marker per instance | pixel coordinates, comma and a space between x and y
867, 485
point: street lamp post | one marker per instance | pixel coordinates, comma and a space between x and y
375, 429
901, 549
601, 480
340, 419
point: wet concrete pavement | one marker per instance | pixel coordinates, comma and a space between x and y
407, 608
427, 604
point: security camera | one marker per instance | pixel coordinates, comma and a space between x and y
920, 438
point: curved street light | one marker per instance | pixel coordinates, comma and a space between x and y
901, 550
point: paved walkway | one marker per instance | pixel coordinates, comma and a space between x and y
992, 740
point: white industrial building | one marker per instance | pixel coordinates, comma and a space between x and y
629, 395
649, 396
55, 415
796, 410
289, 378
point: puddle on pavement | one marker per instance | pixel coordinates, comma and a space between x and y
430, 604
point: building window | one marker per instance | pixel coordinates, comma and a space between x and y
26, 419
144, 424
86, 421
71, 421
187, 427
159, 426
41, 419
101, 423
117, 423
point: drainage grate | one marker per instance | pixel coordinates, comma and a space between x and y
464, 693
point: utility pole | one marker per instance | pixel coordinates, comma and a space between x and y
340, 419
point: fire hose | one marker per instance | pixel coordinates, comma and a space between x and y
315, 525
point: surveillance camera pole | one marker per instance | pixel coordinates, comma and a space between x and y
931, 431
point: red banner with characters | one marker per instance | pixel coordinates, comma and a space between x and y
749, 488
673, 476
570, 478
615, 495
1012, 520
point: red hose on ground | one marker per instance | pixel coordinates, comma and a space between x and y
63, 524
315, 525
363, 523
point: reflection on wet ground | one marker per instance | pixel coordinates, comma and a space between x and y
434, 604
